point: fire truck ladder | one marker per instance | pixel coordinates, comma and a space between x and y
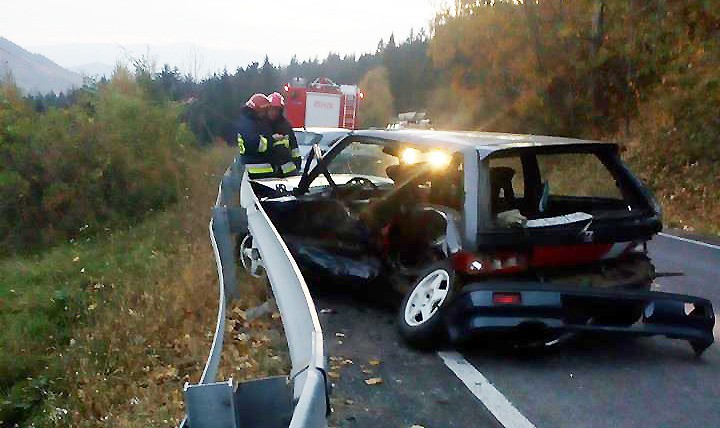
349, 111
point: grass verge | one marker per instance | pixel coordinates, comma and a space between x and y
104, 330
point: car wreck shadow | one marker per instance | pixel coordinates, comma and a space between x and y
599, 349
363, 297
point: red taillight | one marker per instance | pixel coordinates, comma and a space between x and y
286, 88
498, 263
361, 95
503, 298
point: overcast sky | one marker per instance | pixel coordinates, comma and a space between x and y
278, 28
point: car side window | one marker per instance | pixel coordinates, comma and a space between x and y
500, 170
577, 175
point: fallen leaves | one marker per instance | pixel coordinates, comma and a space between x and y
239, 313
164, 373
374, 381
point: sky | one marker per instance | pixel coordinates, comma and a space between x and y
220, 33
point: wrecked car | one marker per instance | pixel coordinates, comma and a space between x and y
484, 234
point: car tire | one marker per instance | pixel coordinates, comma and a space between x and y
421, 318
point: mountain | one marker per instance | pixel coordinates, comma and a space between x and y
33, 72
187, 57
94, 69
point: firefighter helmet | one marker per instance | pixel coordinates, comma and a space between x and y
258, 101
276, 100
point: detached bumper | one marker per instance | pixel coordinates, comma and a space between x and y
571, 309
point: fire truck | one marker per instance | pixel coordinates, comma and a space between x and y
322, 103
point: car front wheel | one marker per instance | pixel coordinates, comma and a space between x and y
420, 319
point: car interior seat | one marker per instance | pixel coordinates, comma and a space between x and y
403, 173
501, 190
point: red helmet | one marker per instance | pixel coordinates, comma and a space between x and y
276, 100
258, 101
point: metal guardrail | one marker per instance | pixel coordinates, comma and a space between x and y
299, 400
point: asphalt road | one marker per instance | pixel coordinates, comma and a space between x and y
598, 382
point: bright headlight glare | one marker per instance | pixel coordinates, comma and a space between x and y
438, 159
410, 156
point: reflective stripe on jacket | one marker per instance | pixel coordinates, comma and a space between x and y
259, 168
288, 167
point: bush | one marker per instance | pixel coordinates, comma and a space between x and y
110, 158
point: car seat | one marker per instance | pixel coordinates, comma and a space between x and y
501, 190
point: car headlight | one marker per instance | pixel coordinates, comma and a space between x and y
438, 159
410, 156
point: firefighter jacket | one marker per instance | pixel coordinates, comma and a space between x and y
254, 138
286, 155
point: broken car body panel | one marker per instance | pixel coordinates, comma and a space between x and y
573, 309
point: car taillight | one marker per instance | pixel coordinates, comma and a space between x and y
497, 263
505, 298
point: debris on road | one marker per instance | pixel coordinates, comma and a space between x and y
374, 381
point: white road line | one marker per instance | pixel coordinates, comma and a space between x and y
692, 241
481, 388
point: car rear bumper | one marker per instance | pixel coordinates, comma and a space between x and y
571, 309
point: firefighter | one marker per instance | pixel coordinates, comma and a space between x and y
286, 155
253, 134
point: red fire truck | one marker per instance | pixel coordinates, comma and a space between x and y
322, 103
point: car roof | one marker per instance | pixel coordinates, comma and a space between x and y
321, 130
484, 143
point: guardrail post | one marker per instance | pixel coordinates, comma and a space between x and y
238, 220
211, 405
226, 250
230, 188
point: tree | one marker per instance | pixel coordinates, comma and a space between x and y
377, 106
